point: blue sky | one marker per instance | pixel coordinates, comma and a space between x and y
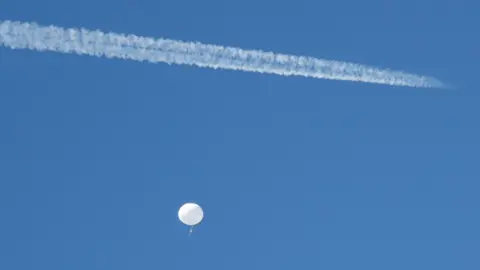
97, 155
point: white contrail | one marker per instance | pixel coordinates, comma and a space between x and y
22, 35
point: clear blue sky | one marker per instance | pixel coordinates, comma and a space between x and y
97, 155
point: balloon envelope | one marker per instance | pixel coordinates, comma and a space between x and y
190, 214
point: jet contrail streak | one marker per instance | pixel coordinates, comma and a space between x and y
22, 35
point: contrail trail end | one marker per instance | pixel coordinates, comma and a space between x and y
23, 35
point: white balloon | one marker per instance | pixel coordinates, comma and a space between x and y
190, 214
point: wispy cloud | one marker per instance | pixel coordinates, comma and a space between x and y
23, 35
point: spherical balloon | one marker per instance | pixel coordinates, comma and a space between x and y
190, 214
